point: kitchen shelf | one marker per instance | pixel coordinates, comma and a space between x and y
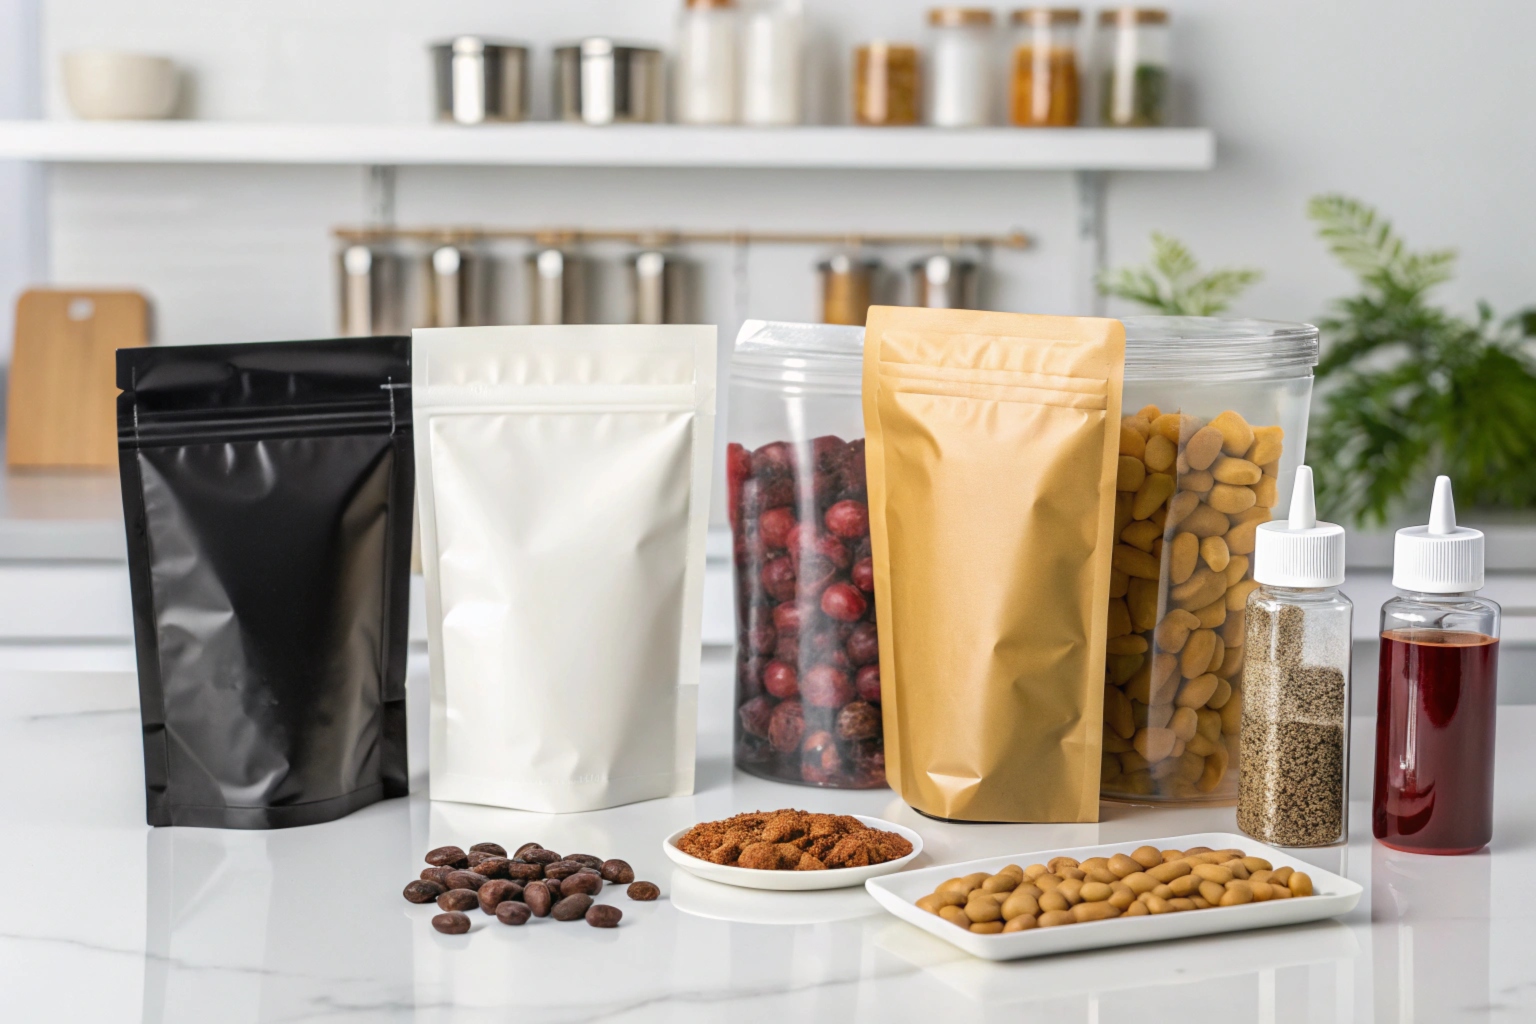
543, 144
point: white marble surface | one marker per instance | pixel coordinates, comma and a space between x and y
107, 920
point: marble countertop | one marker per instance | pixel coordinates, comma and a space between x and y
107, 920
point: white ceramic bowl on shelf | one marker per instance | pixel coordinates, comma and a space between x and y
112, 85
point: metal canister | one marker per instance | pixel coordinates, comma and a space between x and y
599, 81
660, 287
372, 291
456, 287
944, 281
480, 80
847, 287
557, 287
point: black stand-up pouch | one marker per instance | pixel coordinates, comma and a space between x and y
267, 490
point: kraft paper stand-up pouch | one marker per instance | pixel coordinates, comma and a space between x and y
267, 492
564, 481
992, 443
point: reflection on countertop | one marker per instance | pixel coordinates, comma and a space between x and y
308, 924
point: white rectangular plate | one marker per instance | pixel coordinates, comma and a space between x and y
1334, 895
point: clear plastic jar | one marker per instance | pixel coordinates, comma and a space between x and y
1133, 92
887, 84
1044, 79
1295, 731
1435, 710
808, 658
1197, 389
960, 67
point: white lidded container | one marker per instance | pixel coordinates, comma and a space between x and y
772, 62
704, 74
960, 67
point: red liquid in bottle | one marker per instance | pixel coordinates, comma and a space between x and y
1434, 741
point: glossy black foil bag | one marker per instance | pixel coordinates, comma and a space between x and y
267, 490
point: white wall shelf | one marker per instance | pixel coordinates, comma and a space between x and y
539, 144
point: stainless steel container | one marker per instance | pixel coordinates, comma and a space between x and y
599, 81
373, 299
944, 281
480, 80
848, 283
660, 288
557, 287
457, 293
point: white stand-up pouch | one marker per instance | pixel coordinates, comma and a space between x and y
563, 481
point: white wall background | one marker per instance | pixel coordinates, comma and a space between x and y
1420, 106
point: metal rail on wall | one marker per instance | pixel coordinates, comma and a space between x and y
658, 237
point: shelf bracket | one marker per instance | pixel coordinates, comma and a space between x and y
1089, 186
381, 195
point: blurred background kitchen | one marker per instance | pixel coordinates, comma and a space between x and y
176, 172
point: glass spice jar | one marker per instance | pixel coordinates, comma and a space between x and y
704, 75
887, 84
960, 67
847, 287
1134, 48
1044, 89
808, 655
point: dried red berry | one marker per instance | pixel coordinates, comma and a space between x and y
773, 459
773, 527
868, 683
780, 680
826, 687
848, 519
863, 575
863, 644
755, 715
786, 617
786, 726
844, 602
858, 721
779, 579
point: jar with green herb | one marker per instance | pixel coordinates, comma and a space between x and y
1133, 89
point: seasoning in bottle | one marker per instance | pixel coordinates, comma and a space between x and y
705, 71
1293, 784
887, 84
772, 49
960, 67
1437, 693
1044, 80
1135, 59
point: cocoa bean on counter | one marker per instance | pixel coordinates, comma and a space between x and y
618, 872
644, 891
595, 863
459, 899
538, 898
438, 875
523, 872
448, 856
539, 856
563, 869
496, 892
423, 891
604, 916
511, 912
451, 923
521, 850
572, 908
493, 867
582, 881
493, 848
466, 880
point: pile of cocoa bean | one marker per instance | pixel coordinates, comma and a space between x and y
533, 882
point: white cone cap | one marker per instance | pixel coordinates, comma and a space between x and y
1441, 558
1299, 551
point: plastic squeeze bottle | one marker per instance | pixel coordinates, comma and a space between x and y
1293, 787
1438, 692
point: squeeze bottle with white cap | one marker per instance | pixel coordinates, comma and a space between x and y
1438, 691
1293, 783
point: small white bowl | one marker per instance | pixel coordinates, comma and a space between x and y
795, 881
110, 85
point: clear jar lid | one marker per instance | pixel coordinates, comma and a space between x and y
1213, 348
799, 357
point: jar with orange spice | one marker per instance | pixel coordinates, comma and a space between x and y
887, 84
1045, 67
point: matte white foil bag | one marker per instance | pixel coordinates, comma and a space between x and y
563, 481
